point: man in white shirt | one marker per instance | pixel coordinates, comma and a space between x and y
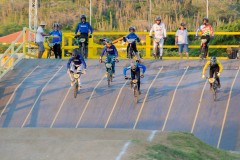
181, 39
159, 30
40, 38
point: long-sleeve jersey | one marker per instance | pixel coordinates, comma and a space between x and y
57, 36
131, 35
77, 61
139, 66
208, 63
159, 30
112, 50
205, 30
83, 28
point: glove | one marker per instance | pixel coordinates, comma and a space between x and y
117, 60
218, 74
100, 60
126, 77
142, 75
151, 36
84, 71
203, 76
90, 36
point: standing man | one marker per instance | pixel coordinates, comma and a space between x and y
56, 40
40, 38
160, 33
84, 28
181, 40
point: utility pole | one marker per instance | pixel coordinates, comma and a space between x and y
207, 8
90, 9
33, 6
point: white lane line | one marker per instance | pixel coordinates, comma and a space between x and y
114, 106
151, 136
199, 105
86, 106
39, 97
60, 108
170, 107
145, 98
10, 99
123, 150
226, 111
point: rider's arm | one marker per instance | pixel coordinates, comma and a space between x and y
90, 28
69, 62
151, 30
125, 70
137, 38
143, 67
103, 51
115, 51
205, 67
164, 31
197, 31
77, 28
211, 31
220, 66
83, 61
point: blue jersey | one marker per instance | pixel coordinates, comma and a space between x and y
132, 35
139, 66
57, 36
83, 28
112, 50
77, 61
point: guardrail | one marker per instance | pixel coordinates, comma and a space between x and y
93, 52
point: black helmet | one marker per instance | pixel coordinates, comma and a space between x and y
108, 41
213, 60
74, 53
56, 24
133, 66
205, 18
132, 28
158, 18
83, 16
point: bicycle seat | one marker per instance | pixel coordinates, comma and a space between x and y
211, 80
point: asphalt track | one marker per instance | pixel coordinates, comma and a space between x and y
37, 93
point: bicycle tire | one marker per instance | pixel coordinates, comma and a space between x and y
108, 79
49, 53
135, 92
75, 90
215, 95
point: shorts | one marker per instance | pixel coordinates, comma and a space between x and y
73, 67
40, 46
181, 47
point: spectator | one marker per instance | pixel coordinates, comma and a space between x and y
40, 38
181, 40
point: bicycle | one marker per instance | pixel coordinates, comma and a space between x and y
50, 52
214, 87
203, 51
76, 84
134, 85
156, 53
109, 72
81, 42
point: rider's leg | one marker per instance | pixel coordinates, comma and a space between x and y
211, 72
79, 70
128, 56
55, 50
217, 78
132, 77
70, 73
59, 51
206, 47
161, 47
155, 47
134, 46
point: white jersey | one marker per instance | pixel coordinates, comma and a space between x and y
159, 30
182, 36
39, 37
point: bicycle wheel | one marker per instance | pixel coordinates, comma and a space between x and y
49, 53
202, 54
135, 94
215, 95
129, 53
108, 79
75, 89
82, 52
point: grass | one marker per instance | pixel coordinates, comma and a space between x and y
184, 146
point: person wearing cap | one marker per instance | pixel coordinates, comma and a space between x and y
181, 40
135, 73
160, 32
111, 54
206, 32
76, 62
84, 28
40, 38
57, 39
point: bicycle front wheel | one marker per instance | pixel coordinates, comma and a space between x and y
75, 90
135, 95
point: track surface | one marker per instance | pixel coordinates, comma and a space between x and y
37, 93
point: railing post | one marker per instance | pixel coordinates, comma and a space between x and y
24, 40
148, 49
90, 48
63, 45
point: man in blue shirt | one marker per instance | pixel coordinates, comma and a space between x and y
132, 35
135, 73
111, 52
56, 40
76, 62
84, 28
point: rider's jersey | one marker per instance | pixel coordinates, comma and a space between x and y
208, 63
57, 36
77, 61
139, 66
205, 30
112, 50
159, 30
131, 35
83, 28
